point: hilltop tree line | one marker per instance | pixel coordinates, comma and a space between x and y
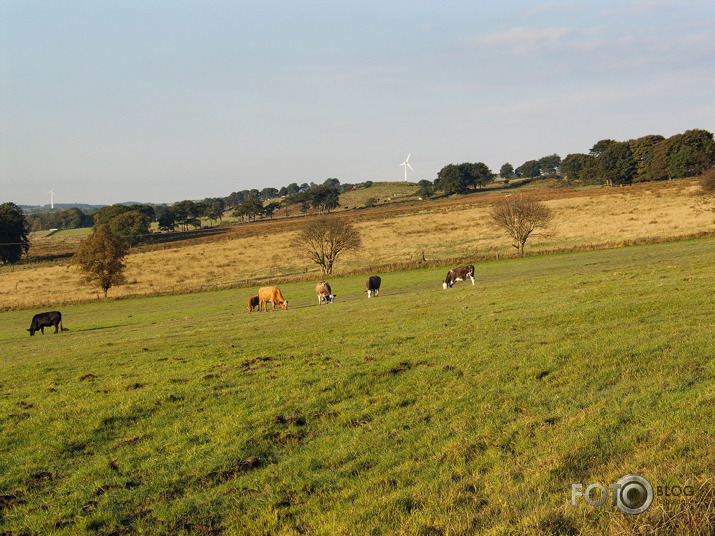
609, 162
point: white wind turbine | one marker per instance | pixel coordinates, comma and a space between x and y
406, 164
52, 198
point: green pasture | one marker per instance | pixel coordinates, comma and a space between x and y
422, 411
82, 231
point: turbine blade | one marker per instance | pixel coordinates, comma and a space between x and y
409, 166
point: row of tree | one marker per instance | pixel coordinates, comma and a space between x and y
71, 218
609, 162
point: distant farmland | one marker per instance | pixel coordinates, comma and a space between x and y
394, 233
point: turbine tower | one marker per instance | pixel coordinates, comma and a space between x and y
406, 164
52, 198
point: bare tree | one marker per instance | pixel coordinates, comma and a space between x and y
520, 217
707, 182
100, 256
322, 239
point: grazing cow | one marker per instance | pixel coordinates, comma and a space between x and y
373, 286
45, 320
458, 274
253, 302
325, 294
273, 295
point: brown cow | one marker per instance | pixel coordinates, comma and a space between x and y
253, 302
324, 292
273, 295
458, 274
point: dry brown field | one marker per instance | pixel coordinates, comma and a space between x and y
252, 254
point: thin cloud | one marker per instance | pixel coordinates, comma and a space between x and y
528, 40
552, 7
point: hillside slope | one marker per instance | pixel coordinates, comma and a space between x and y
392, 234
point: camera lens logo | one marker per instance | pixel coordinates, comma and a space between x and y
634, 494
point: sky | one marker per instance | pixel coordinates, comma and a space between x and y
157, 101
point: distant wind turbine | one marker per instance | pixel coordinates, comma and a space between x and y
52, 198
406, 164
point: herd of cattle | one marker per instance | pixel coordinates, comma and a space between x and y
273, 294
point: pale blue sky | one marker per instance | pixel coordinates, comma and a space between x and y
159, 101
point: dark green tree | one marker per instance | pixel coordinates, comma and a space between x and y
14, 239
166, 217
644, 150
186, 213
579, 167
476, 174
268, 193
270, 208
131, 227
324, 198
658, 165
216, 209
104, 214
616, 164
450, 180
148, 210
425, 189
507, 171
549, 165
529, 169
689, 154
100, 256
249, 209
601, 146
292, 189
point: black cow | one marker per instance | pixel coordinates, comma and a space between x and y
373, 286
458, 274
42, 320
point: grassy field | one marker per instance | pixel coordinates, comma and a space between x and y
421, 412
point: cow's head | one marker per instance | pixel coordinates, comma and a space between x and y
32, 331
331, 298
284, 305
445, 285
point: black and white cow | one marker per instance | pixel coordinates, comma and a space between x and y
45, 320
458, 274
373, 286
324, 292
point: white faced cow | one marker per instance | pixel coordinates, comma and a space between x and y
458, 274
325, 294
373, 286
